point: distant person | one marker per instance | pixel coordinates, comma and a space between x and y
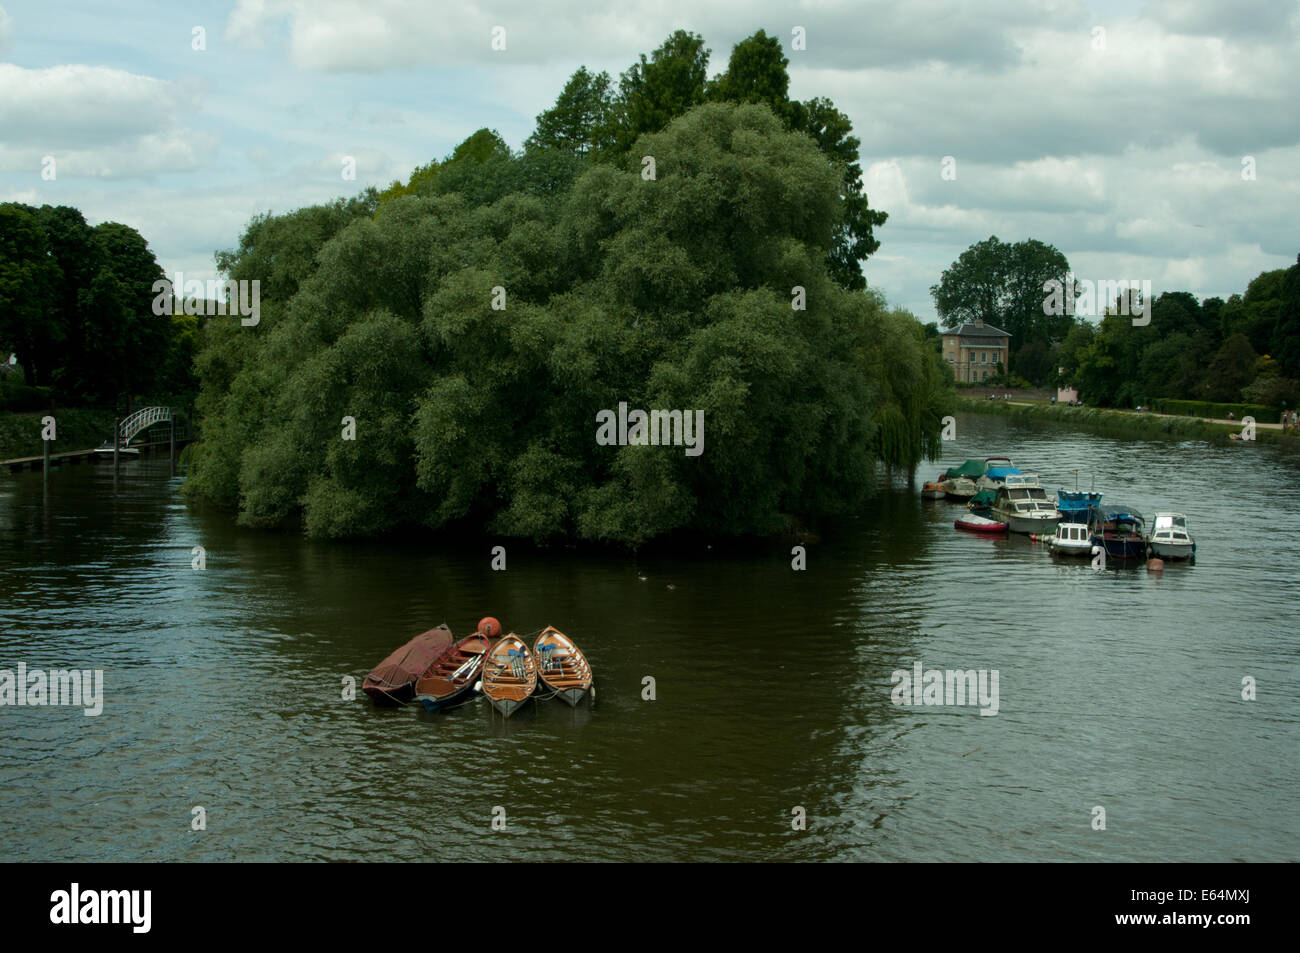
1231, 415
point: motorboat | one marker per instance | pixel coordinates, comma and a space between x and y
1170, 538
1023, 504
1070, 539
1121, 531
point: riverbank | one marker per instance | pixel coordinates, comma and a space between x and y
75, 429
1126, 423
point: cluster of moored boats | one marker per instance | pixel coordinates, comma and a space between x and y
440, 672
1000, 498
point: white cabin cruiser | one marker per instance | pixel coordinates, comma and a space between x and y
1023, 504
1071, 539
1170, 538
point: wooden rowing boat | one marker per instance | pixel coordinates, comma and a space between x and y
509, 675
452, 675
561, 665
392, 681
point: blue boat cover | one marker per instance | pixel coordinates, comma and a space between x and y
1076, 503
1119, 511
1001, 473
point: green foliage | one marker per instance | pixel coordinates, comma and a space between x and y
583, 119
78, 429
76, 304
1003, 284
590, 119
1286, 332
1232, 369
670, 294
1217, 411
756, 74
657, 90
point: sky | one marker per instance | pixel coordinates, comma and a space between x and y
1149, 141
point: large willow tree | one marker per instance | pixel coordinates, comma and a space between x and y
671, 292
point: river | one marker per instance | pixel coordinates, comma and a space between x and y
223, 687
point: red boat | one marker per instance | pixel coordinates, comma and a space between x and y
980, 524
392, 682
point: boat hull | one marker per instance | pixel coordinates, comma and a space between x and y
1042, 525
1175, 551
1123, 549
507, 706
431, 703
980, 525
573, 696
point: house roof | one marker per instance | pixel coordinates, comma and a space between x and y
980, 331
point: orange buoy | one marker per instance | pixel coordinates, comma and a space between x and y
1155, 564
490, 627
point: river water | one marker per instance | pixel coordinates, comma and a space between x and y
223, 687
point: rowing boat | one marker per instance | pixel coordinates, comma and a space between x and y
561, 665
509, 675
452, 675
392, 681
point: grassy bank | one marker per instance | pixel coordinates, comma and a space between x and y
20, 432
1122, 423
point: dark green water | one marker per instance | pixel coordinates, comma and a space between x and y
223, 687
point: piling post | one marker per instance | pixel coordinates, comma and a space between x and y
45, 463
173, 447
117, 439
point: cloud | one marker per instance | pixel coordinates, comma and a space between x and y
95, 121
1241, 18
368, 35
6, 29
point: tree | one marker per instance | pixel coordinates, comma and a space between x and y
583, 117
1286, 336
135, 339
674, 295
1003, 284
756, 74
855, 238
653, 92
31, 322
1232, 369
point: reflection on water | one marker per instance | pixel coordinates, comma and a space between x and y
223, 687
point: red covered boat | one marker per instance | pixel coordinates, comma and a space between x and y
980, 524
392, 682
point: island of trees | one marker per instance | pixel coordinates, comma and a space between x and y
669, 241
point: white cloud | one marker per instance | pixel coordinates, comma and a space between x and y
6, 29
95, 121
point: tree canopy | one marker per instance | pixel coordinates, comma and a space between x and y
473, 336
76, 304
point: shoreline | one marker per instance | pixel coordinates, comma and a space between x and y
1121, 423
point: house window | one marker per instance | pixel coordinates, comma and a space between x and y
984, 357
995, 357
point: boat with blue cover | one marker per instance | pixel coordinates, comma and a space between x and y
996, 471
1120, 530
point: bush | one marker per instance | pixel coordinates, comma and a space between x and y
1205, 408
17, 396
